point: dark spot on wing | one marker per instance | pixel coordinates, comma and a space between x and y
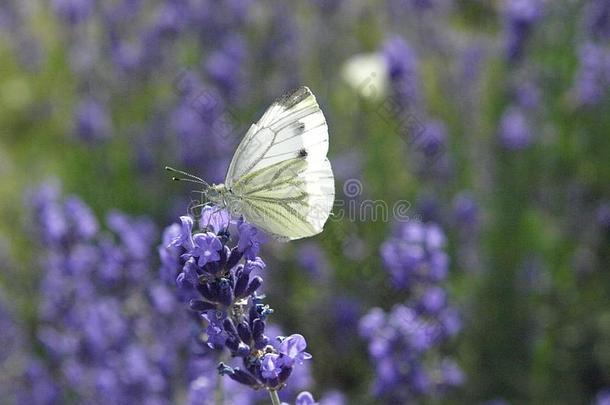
299, 127
294, 97
302, 153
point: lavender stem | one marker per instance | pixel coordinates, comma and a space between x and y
275, 398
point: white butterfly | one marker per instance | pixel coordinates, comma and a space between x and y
280, 179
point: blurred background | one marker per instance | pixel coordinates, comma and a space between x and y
468, 260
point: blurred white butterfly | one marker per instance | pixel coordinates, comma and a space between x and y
280, 179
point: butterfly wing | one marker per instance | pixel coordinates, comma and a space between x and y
280, 174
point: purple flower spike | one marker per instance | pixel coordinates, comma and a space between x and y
184, 238
206, 248
293, 348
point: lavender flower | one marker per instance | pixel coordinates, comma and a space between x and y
527, 94
433, 140
207, 247
200, 115
250, 240
465, 210
603, 397
403, 342
224, 66
217, 275
184, 238
311, 257
593, 75
92, 120
603, 215
215, 220
402, 66
101, 309
415, 255
514, 132
597, 20
37, 386
333, 397
11, 352
519, 18
305, 398
73, 11
293, 350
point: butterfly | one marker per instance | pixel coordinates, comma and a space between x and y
280, 179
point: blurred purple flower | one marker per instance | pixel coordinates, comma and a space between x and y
432, 141
519, 18
593, 76
225, 66
603, 397
305, 398
597, 20
37, 386
333, 398
100, 310
171, 17
403, 342
73, 11
603, 215
312, 258
92, 121
416, 254
528, 94
514, 132
402, 65
465, 210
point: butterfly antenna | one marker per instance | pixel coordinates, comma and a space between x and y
189, 177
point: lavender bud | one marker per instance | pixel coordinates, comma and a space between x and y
230, 327
262, 342
224, 255
243, 350
232, 344
239, 269
253, 285
206, 291
225, 294
201, 306
244, 332
245, 378
258, 328
241, 285
234, 257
